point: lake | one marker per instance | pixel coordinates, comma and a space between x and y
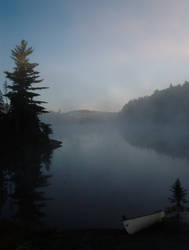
97, 176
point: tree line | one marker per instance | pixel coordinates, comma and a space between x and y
163, 106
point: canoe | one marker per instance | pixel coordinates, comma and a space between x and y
136, 224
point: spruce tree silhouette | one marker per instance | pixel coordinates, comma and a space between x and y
178, 199
24, 109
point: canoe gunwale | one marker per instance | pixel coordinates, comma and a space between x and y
155, 212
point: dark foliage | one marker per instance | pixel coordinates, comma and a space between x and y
165, 106
159, 121
23, 116
178, 198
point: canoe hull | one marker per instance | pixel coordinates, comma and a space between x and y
136, 224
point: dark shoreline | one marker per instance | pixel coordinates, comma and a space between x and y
159, 237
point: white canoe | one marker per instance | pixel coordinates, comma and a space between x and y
134, 225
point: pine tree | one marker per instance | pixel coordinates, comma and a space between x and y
24, 109
178, 198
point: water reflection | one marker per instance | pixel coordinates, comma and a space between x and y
168, 139
23, 178
96, 177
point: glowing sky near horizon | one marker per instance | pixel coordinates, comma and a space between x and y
99, 54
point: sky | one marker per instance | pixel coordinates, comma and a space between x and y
98, 54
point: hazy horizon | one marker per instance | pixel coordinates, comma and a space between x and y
98, 55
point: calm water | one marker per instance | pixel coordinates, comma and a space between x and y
97, 176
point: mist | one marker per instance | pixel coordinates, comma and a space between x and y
94, 118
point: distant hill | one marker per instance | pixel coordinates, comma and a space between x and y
163, 106
78, 116
159, 122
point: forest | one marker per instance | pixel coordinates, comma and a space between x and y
165, 106
159, 121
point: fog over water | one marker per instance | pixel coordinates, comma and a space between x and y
97, 177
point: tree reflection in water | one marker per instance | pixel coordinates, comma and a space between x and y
167, 139
22, 182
